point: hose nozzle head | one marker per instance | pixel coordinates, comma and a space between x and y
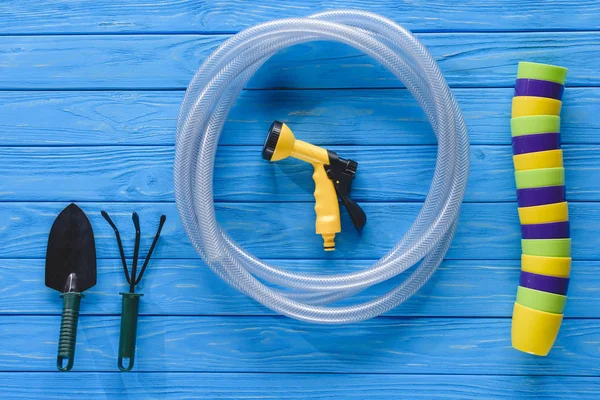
279, 143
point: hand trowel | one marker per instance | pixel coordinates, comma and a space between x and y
70, 269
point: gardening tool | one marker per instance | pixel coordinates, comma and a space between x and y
333, 177
308, 297
70, 269
131, 301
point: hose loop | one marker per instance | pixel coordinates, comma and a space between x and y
210, 96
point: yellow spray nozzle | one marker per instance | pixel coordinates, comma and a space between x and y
281, 143
333, 176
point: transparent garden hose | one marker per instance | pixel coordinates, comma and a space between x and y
210, 96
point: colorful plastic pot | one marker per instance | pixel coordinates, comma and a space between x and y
543, 211
547, 247
533, 178
552, 266
528, 105
548, 213
538, 160
553, 230
544, 72
534, 124
541, 301
544, 283
540, 196
535, 143
538, 88
534, 331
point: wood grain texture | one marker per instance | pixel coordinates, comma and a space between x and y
234, 386
135, 173
167, 61
57, 16
332, 117
279, 344
89, 96
189, 287
24, 229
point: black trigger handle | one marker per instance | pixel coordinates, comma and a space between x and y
341, 172
358, 216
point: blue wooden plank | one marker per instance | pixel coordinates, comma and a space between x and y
279, 344
167, 62
332, 117
459, 288
177, 386
59, 16
256, 226
387, 174
219, 329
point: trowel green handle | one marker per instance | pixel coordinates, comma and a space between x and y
129, 319
68, 330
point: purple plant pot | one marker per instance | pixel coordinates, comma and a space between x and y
553, 230
544, 283
534, 143
539, 88
539, 196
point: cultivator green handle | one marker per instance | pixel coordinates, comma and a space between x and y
68, 330
129, 320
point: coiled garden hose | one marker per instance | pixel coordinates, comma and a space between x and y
210, 96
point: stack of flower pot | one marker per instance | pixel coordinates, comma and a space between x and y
543, 212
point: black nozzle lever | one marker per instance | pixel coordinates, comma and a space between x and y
341, 172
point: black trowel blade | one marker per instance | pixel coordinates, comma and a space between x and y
71, 253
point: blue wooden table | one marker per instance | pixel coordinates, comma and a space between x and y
90, 91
